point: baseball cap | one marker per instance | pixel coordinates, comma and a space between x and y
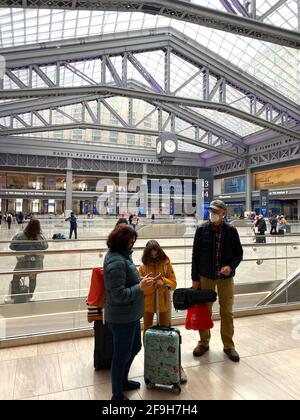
217, 205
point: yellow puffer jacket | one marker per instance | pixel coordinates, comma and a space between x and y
168, 277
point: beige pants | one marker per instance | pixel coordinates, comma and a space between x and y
225, 289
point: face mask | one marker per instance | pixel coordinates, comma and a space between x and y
155, 259
214, 218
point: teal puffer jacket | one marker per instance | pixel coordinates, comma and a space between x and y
124, 297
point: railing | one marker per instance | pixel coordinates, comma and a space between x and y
63, 282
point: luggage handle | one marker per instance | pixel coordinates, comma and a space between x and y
168, 288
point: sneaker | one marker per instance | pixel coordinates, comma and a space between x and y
119, 398
200, 350
183, 376
232, 354
131, 385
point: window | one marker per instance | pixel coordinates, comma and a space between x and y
96, 136
19, 204
77, 134
147, 141
113, 136
130, 139
51, 206
35, 206
58, 134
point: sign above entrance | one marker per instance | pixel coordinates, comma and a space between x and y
101, 156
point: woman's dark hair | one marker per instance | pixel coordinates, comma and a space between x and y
122, 221
120, 238
150, 246
33, 229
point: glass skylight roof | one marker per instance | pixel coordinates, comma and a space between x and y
276, 66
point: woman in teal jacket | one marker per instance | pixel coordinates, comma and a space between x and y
124, 307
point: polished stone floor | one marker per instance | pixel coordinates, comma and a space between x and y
269, 347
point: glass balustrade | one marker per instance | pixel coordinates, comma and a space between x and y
268, 276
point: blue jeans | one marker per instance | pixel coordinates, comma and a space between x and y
126, 343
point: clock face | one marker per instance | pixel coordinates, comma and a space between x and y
158, 147
170, 146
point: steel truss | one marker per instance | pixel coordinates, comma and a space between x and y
110, 91
281, 155
236, 18
278, 112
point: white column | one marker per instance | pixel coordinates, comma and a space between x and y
69, 191
144, 202
248, 189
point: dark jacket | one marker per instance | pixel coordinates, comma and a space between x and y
73, 222
124, 297
204, 251
261, 226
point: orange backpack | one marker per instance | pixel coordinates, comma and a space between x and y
96, 296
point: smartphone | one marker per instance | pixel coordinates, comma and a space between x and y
157, 277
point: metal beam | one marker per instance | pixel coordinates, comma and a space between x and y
179, 10
85, 126
43, 76
185, 114
113, 72
15, 79
271, 10
144, 72
86, 48
146, 40
100, 90
240, 8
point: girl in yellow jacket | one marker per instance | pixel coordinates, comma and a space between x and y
155, 261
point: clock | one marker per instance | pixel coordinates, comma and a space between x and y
158, 147
170, 146
166, 147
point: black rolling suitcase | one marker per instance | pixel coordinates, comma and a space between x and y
103, 346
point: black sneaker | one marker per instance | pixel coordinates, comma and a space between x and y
131, 385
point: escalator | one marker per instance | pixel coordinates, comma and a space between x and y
287, 291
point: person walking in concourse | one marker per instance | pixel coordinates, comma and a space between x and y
8, 219
124, 292
217, 252
261, 227
273, 222
73, 225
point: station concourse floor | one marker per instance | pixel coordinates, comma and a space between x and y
269, 346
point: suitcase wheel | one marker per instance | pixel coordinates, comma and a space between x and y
150, 385
177, 388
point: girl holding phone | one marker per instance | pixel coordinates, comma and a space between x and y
156, 263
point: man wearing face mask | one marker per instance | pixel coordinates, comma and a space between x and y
217, 252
